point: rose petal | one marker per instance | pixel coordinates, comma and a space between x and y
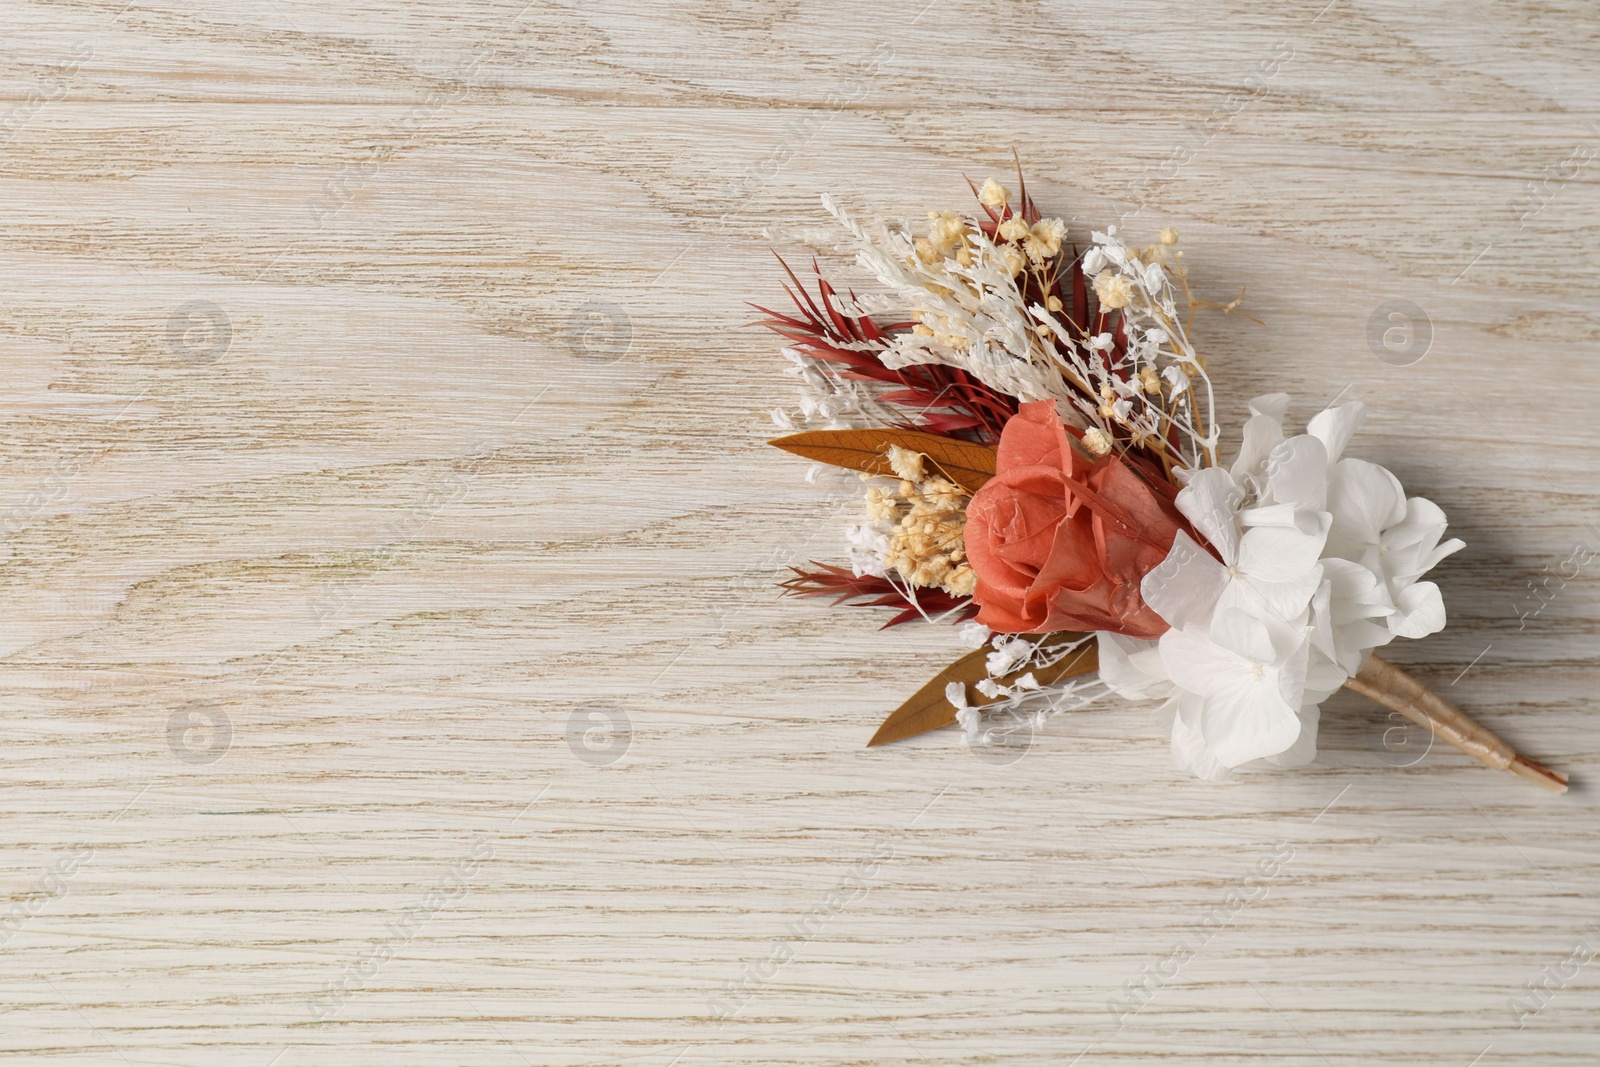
1034, 436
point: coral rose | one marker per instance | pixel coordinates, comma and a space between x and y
1060, 541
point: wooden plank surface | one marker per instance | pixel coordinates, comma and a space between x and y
393, 664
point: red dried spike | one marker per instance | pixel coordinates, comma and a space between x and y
967, 406
911, 614
1030, 214
843, 585
776, 320
837, 317
815, 315
911, 396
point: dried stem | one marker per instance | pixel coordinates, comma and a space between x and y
1387, 684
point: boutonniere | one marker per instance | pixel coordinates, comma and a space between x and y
1040, 462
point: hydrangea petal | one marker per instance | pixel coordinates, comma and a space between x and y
1356, 592
1336, 425
1247, 720
1297, 472
1209, 501
1280, 600
1189, 750
1421, 611
1304, 749
1261, 434
1365, 500
1131, 667
1271, 405
1245, 635
1279, 554
1183, 590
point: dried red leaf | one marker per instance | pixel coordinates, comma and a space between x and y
845, 587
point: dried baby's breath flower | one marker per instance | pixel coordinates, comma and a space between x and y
944, 495
1014, 259
925, 546
1044, 239
905, 463
1054, 303
926, 252
881, 505
1113, 290
1150, 380
963, 581
947, 231
1169, 236
1097, 440
1015, 228
993, 194
1107, 394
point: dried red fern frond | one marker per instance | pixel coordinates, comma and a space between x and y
867, 591
942, 400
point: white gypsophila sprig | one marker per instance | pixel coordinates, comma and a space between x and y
828, 400
970, 315
1024, 705
1160, 383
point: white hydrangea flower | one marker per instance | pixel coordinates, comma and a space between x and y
1320, 561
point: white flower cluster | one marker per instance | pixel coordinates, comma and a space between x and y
828, 400
973, 311
1321, 558
1150, 388
965, 291
1017, 705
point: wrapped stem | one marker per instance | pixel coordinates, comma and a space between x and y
1387, 684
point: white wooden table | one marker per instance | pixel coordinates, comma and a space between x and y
393, 666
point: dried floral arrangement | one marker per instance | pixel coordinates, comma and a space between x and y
1034, 432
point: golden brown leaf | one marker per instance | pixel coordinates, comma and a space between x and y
928, 709
968, 465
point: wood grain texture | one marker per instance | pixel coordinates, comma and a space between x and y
393, 664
